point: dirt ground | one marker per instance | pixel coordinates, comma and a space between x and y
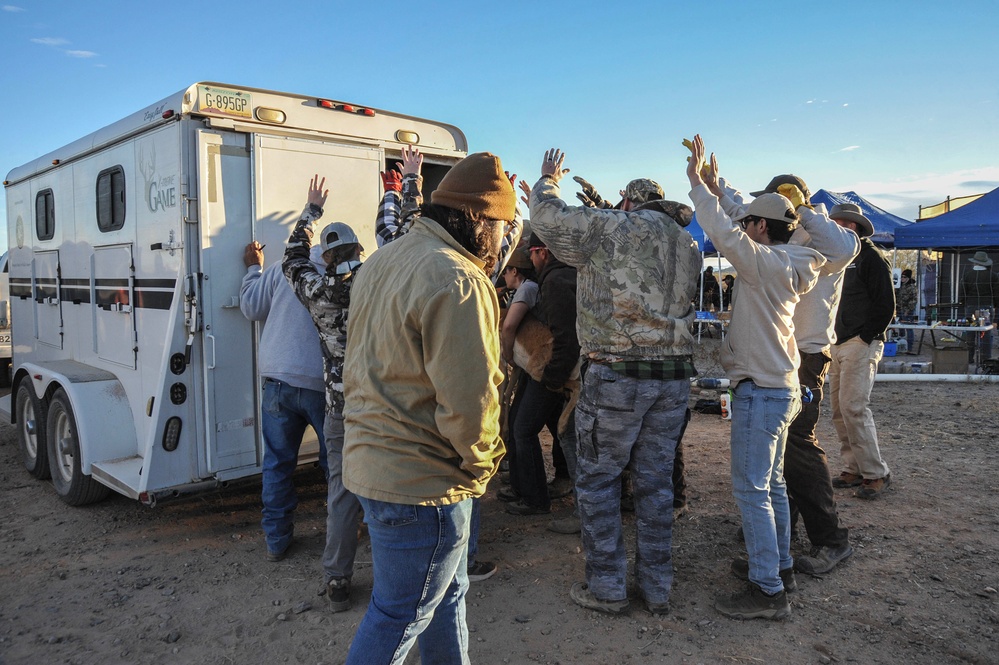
187, 582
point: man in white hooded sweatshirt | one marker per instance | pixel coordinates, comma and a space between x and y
761, 360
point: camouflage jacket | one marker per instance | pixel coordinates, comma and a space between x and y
327, 297
637, 276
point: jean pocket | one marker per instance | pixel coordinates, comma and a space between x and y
391, 514
586, 447
271, 403
778, 412
606, 390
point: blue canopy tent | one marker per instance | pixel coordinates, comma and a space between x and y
975, 225
885, 223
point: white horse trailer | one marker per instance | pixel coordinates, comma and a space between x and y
133, 367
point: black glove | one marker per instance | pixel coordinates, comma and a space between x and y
589, 195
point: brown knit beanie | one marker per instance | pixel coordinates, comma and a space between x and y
477, 185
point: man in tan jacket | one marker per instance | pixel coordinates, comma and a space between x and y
422, 410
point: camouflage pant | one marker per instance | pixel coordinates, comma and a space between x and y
624, 422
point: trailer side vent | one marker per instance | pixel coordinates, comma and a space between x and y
177, 363
171, 434
178, 393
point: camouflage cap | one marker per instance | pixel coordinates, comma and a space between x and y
643, 190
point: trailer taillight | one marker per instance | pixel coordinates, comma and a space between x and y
326, 104
167, 114
346, 108
171, 434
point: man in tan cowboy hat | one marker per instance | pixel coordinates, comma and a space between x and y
866, 307
980, 293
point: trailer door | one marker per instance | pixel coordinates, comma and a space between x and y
227, 367
48, 301
114, 298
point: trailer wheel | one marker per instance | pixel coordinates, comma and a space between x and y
31, 431
70, 484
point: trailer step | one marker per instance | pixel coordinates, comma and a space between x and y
122, 475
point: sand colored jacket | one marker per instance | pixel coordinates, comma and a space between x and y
422, 373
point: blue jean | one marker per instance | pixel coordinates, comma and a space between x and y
624, 422
419, 556
760, 420
473, 532
286, 412
342, 508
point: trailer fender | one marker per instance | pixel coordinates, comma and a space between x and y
104, 423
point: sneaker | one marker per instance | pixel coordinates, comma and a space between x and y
568, 524
481, 570
338, 594
822, 559
740, 568
847, 479
581, 595
507, 494
753, 603
559, 488
872, 489
521, 508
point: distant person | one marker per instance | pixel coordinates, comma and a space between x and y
291, 367
907, 299
634, 323
728, 290
422, 409
866, 308
710, 291
980, 293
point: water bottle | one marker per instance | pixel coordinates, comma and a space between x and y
713, 383
725, 399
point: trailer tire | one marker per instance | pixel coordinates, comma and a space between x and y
70, 483
31, 431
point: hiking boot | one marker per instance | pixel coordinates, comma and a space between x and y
568, 524
740, 568
753, 603
822, 559
872, 489
679, 511
559, 488
847, 479
338, 594
274, 557
522, 508
657, 608
507, 494
581, 595
481, 570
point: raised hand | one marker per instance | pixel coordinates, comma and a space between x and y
317, 195
794, 195
412, 160
391, 180
524, 187
552, 165
589, 195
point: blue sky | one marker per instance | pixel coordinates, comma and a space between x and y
897, 101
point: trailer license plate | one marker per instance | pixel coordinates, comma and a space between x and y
225, 102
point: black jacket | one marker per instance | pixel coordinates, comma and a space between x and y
867, 305
556, 309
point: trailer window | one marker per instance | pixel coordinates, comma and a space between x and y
45, 214
111, 199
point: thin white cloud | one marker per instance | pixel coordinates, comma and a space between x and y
845, 105
50, 41
12, 8
810, 101
903, 196
81, 54
849, 148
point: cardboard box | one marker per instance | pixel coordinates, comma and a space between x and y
950, 360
